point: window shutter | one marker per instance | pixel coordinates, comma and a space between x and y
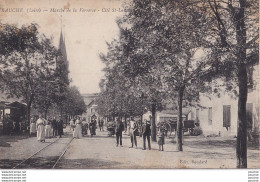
226, 115
210, 116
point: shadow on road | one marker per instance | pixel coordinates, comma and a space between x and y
86, 164
8, 164
4, 144
205, 144
12, 138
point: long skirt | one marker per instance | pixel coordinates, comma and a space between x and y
47, 131
77, 131
33, 128
51, 131
41, 133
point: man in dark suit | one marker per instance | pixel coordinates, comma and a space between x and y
54, 126
119, 129
146, 132
60, 126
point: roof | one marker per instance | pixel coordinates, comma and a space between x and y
89, 98
5, 99
185, 111
172, 113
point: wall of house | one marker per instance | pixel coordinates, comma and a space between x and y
216, 126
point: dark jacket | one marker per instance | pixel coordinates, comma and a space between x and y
60, 127
119, 127
54, 124
146, 129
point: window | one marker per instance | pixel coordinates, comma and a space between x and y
226, 116
197, 115
210, 116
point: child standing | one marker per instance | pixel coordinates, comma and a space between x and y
161, 138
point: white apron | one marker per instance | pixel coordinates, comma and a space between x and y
78, 130
40, 130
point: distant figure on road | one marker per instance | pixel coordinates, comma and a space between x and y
100, 124
78, 129
48, 129
92, 128
84, 127
132, 131
146, 132
55, 127
72, 125
161, 138
33, 130
119, 129
40, 124
60, 127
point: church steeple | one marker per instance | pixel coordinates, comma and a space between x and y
62, 64
62, 47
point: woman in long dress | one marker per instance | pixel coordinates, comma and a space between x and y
48, 130
40, 129
78, 129
33, 128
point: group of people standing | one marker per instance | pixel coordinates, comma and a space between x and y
133, 130
80, 127
46, 128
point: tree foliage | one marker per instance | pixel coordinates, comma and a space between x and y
26, 59
28, 62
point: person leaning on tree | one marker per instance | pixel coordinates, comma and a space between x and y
119, 129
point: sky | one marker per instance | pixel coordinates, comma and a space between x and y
85, 32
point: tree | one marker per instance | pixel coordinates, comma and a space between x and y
117, 98
74, 103
165, 38
25, 58
236, 33
48, 89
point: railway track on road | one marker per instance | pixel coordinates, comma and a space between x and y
47, 157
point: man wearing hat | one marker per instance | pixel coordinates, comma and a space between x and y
146, 132
60, 126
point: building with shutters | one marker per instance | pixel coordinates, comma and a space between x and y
218, 115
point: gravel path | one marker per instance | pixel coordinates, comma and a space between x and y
101, 152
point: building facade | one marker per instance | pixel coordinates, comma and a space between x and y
219, 115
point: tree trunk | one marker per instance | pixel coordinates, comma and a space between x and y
241, 149
125, 123
45, 113
179, 121
153, 132
28, 110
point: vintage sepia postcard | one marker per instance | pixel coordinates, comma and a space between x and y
129, 84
